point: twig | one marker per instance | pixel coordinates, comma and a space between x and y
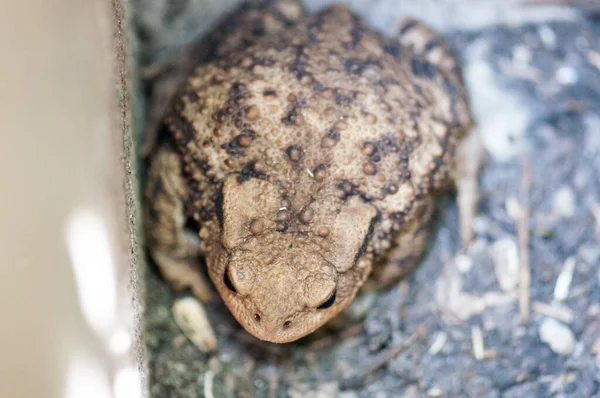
477, 342
208, 384
438, 343
394, 351
523, 235
273, 383
561, 313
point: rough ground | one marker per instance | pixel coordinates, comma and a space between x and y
535, 87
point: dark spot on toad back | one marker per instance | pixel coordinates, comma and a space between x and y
236, 146
393, 49
290, 117
333, 134
422, 68
431, 45
407, 27
294, 152
344, 97
218, 201
356, 33
259, 29
248, 172
368, 237
353, 66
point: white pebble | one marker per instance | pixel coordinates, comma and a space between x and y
567, 75
505, 256
563, 282
191, 318
463, 263
563, 202
513, 208
521, 55
558, 336
547, 36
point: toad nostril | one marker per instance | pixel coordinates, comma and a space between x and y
287, 324
257, 317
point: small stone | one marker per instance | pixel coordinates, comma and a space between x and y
567, 75
558, 336
463, 263
547, 36
563, 202
505, 257
513, 208
191, 318
564, 279
521, 55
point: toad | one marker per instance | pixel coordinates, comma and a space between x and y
301, 160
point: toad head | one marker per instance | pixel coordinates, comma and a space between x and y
285, 275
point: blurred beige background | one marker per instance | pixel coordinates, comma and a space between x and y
64, 239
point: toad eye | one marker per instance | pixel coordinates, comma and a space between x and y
227, 281
329, 302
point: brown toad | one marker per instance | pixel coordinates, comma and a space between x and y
302, 159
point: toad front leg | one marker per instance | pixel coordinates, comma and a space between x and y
406, 251
174, 248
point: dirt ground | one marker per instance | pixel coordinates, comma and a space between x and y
453, 328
